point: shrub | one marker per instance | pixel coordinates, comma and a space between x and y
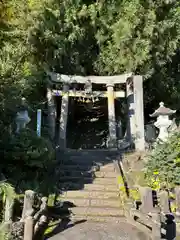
27, 158
4, 235
163, 165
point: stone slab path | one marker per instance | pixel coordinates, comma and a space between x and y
100, 231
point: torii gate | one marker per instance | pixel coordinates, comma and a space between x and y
133, 93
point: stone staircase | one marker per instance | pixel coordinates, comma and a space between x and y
88, 180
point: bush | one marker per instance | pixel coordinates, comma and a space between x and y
4, 235
163, 165
29, 149
27, 158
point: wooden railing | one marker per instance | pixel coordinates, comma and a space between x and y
154, 211
33, 221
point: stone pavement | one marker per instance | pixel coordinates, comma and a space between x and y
100, 231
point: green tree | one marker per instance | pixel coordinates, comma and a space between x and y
20, 76
113, 37
164, 162
64, 40
120, 35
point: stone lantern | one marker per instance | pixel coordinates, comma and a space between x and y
22, 117
163, 122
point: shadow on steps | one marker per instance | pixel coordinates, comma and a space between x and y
87, 185
61, 226
77, 168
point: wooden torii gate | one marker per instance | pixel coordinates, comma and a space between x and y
133, 93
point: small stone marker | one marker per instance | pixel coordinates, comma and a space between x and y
150, 133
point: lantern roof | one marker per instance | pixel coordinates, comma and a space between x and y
23, 105
162, 111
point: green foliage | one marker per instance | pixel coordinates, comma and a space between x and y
163, 165
6, 191
25, 158
88, 37
29, 148
64, 38
107, 37
112, 37
30, 156
137, 35
133, 193
4, 235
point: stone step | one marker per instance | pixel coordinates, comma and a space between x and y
105, 219
80, 179
89, 194
106, 174
87, 162
105, 168
108, 167
101, 187
79, 167
97, 211
98, 159
68, 173
98, 174
84, 162
84, 180
80, 202
69, 185
93, 152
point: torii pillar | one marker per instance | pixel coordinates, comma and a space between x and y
64, 117
135, 130
51, 113
112, 141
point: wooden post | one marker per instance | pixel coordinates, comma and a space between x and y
28, 228
8, 209
177, 192
64, 117
28, 204
112, 118
164, 201
156, 225
146, 199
